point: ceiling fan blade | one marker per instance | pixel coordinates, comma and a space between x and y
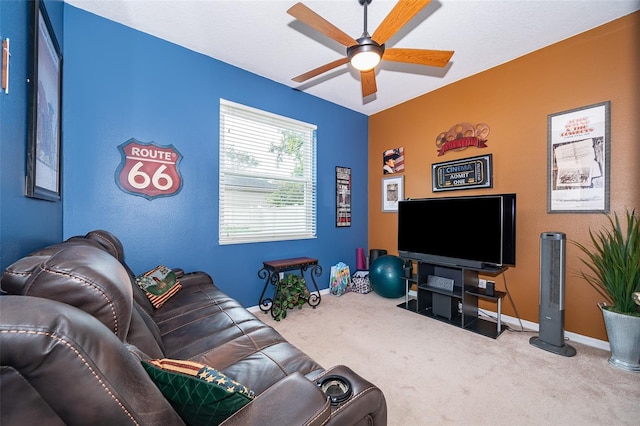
401, 13
312, 19
317, 71
434, 58
368, 80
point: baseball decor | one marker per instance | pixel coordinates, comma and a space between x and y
149, 170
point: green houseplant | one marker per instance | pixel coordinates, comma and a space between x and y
613, 270
292, 292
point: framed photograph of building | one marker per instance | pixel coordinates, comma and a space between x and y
578, 160
45, 135
392, 192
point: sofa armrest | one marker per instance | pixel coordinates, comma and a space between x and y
367, 404
194, 278
294, 400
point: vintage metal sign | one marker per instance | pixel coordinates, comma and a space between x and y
474, 172
462, 136
149, 170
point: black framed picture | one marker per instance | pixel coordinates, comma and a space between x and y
343, 196
45, 110
467, 173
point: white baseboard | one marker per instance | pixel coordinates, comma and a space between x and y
585, 340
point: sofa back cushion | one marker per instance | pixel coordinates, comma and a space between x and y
80, 273
112, 245
60, 365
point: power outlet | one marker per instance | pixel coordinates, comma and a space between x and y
482, 283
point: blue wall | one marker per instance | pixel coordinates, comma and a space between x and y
121, 84
25, 223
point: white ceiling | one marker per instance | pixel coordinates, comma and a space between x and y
259, 36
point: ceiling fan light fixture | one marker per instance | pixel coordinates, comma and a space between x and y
365, 55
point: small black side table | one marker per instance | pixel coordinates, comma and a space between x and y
270, 272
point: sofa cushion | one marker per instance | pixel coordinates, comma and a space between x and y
60, 365
200, 394
203, 324
159, 285
80, 275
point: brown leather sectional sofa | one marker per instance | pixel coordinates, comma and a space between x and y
74, 328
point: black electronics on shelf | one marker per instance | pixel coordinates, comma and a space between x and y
473, 231
453, 240
458, 306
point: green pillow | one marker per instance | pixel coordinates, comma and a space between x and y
201, 395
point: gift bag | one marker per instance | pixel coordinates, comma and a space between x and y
360, 282
340, 279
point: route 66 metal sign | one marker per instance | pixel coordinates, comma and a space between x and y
149, 170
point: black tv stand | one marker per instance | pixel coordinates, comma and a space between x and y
459, 306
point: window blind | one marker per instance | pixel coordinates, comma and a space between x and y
267, 176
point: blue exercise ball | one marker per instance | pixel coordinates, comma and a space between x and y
386, 276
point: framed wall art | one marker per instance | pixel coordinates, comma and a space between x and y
45, 138
392, 192
393, 161
467, 173
343, 196
578, 160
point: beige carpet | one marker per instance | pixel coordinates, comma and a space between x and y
435, 374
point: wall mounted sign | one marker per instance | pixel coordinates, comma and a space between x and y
578, 160
462, 136
474, 172
149, 170
393, 161
343, 196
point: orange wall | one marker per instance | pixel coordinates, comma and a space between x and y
514, 99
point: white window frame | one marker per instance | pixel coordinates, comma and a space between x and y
253, 205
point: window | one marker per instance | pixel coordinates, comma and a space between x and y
267, 176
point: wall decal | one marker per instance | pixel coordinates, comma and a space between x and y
149, 170
462, 136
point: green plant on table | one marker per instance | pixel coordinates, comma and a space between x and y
292, 291
613, 263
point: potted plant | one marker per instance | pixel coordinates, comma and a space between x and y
613, 270
292, 291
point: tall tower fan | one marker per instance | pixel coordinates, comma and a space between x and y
552, 281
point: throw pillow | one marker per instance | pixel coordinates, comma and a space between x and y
159, 284
201, 395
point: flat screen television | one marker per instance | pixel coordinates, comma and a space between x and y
470, 231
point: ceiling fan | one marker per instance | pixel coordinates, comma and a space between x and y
365, 53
